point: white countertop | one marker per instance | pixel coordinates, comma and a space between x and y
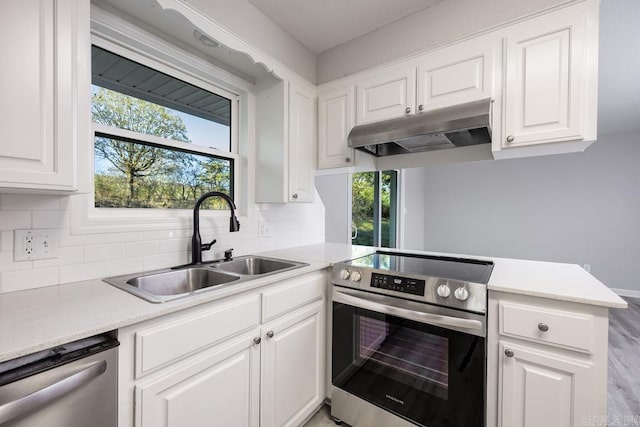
40, 318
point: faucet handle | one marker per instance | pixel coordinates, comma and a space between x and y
207, 246
228, 254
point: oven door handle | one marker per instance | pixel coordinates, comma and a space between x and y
418, 316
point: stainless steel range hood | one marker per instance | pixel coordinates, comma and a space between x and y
457, 126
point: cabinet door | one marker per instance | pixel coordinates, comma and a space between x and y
218, 387
545, 79
292, 368
386, 94
301, 142
457, 74
540, 388
335, 120
44, 43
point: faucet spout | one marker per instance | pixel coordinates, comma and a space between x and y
196, 241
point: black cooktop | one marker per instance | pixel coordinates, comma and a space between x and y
463, 269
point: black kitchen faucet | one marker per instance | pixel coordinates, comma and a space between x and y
196, 243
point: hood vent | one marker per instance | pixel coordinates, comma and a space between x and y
457, 126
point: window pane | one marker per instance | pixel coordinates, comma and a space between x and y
131, 174
363, 207
374, 198
131, 96
388, 201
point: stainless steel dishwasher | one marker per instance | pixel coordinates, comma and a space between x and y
72, 385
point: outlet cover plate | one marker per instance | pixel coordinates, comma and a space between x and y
29, 245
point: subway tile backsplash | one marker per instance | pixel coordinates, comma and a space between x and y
94, 256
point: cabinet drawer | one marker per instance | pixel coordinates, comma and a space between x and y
162, 344
292, 294
565, 329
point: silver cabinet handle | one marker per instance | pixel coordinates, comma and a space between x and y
508, 352
347, 159
428, 318
31, 402
511, 138
407, 110
257, 340
543, 327
270, 334
295, 195
420, 107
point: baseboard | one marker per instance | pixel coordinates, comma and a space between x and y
627, 293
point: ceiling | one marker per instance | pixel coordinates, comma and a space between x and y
321, 25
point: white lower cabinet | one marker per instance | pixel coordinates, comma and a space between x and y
216, 364
547, 362
292, 370
540, 388
217, 388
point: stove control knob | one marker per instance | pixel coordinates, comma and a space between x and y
443, 290
461, 293
344, 274
356, 276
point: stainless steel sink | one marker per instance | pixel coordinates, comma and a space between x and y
256, 266
169, 284
165, 285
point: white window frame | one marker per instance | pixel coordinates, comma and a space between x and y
124, 39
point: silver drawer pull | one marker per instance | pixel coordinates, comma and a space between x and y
543, 327
508, 352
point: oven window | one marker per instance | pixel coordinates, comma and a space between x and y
415, 358
427, 374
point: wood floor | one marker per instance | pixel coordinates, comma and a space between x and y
624, 365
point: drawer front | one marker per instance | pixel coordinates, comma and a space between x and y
292, 294
162, 344
566, 329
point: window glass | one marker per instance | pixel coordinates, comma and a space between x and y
131, 174
374, 208
149, 167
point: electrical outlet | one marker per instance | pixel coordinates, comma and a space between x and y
35, 244
264, 229
587, 268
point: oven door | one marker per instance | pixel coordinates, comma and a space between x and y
421, 362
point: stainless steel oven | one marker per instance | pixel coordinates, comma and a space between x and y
408, 341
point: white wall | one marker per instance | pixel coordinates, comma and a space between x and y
416, 210
249, 23
437, 25
335, 191
94, 256
577, 208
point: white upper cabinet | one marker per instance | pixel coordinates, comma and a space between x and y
550, 81
336, 117
453, 75
44, 71
302, 132
457, 74
285, 142
386, 94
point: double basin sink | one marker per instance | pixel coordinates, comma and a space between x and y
164, 285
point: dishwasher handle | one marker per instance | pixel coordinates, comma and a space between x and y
31, 402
